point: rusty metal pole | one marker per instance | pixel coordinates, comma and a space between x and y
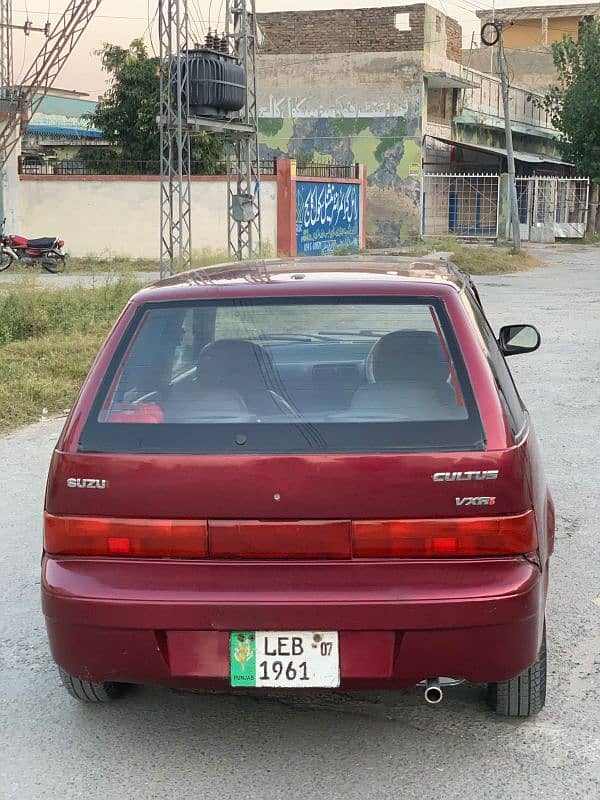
510, 155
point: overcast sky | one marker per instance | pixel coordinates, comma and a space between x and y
120, 21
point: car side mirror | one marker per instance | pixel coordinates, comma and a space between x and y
515, 339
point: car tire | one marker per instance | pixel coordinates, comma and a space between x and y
524, 695
88, 692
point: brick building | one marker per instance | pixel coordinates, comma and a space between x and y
349, 85
387, 87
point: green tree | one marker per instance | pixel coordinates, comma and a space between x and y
573, 103
127, 115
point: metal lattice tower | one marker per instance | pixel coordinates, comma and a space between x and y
175, 142
6, 48
47, 65
177, 127
243, 151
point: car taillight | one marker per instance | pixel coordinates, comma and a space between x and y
61, 244
475, 536
258, 539
105, 536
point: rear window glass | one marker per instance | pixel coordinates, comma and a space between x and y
286, 375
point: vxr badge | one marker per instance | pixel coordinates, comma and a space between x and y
475, 501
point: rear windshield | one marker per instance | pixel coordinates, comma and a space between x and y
286, 375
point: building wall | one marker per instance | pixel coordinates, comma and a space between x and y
561, 26
347, 85
120, 216
363, 107
532, 68
524, 33
359, 30
531, 33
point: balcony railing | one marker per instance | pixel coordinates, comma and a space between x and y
486, 99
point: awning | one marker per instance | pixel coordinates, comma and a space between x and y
446, 80
71, 133
529, 158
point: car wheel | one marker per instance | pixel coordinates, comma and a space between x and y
88, 692
524, 695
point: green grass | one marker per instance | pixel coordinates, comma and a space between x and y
478, 259
48, 341
90, 265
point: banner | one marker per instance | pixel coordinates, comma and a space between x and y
327, 217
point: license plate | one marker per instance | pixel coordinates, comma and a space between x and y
297, 659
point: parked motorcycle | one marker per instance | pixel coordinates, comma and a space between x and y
47, 251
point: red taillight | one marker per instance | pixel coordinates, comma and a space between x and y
476, 536
104, 536
256, 539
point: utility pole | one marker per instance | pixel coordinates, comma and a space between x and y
510, 155
180, 120
491, 34
6, 48
175, 139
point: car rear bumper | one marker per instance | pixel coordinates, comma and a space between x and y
161, 621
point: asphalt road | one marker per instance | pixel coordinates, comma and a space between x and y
162, 744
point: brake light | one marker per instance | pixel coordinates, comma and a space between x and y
258, 539
475, 536
105, 536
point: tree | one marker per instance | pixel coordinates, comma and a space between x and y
127, 115
574, 102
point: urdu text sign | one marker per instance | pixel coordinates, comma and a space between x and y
327, 217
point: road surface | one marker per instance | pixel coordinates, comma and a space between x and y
162, 744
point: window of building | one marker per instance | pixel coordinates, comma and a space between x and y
402, 22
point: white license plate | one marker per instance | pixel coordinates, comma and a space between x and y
298, 659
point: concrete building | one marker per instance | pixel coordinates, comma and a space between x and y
58, 129
387, 87
529, 33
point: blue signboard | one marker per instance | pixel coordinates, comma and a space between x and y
327, 217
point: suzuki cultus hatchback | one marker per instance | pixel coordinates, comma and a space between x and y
301, 475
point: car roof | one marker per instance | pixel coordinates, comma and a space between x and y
300, 276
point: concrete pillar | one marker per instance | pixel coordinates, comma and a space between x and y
286, 207
504, 233
545, 31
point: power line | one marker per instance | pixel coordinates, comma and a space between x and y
97, 16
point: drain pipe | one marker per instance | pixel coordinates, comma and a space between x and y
433, 691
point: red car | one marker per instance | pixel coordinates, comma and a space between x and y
301, 475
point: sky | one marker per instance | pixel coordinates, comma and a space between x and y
120, 21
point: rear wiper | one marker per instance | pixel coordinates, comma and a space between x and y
367, 333
294, 337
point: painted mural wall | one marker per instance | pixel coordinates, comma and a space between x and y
360, 107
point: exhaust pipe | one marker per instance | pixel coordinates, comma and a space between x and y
433, 691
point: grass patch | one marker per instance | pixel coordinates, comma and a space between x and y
48, 341
91, 265
27, 312
479, 259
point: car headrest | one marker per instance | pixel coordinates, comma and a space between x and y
236, 364
408, 356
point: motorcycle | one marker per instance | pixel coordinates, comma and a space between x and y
47, 251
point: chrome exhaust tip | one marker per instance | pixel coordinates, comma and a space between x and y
433, 691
